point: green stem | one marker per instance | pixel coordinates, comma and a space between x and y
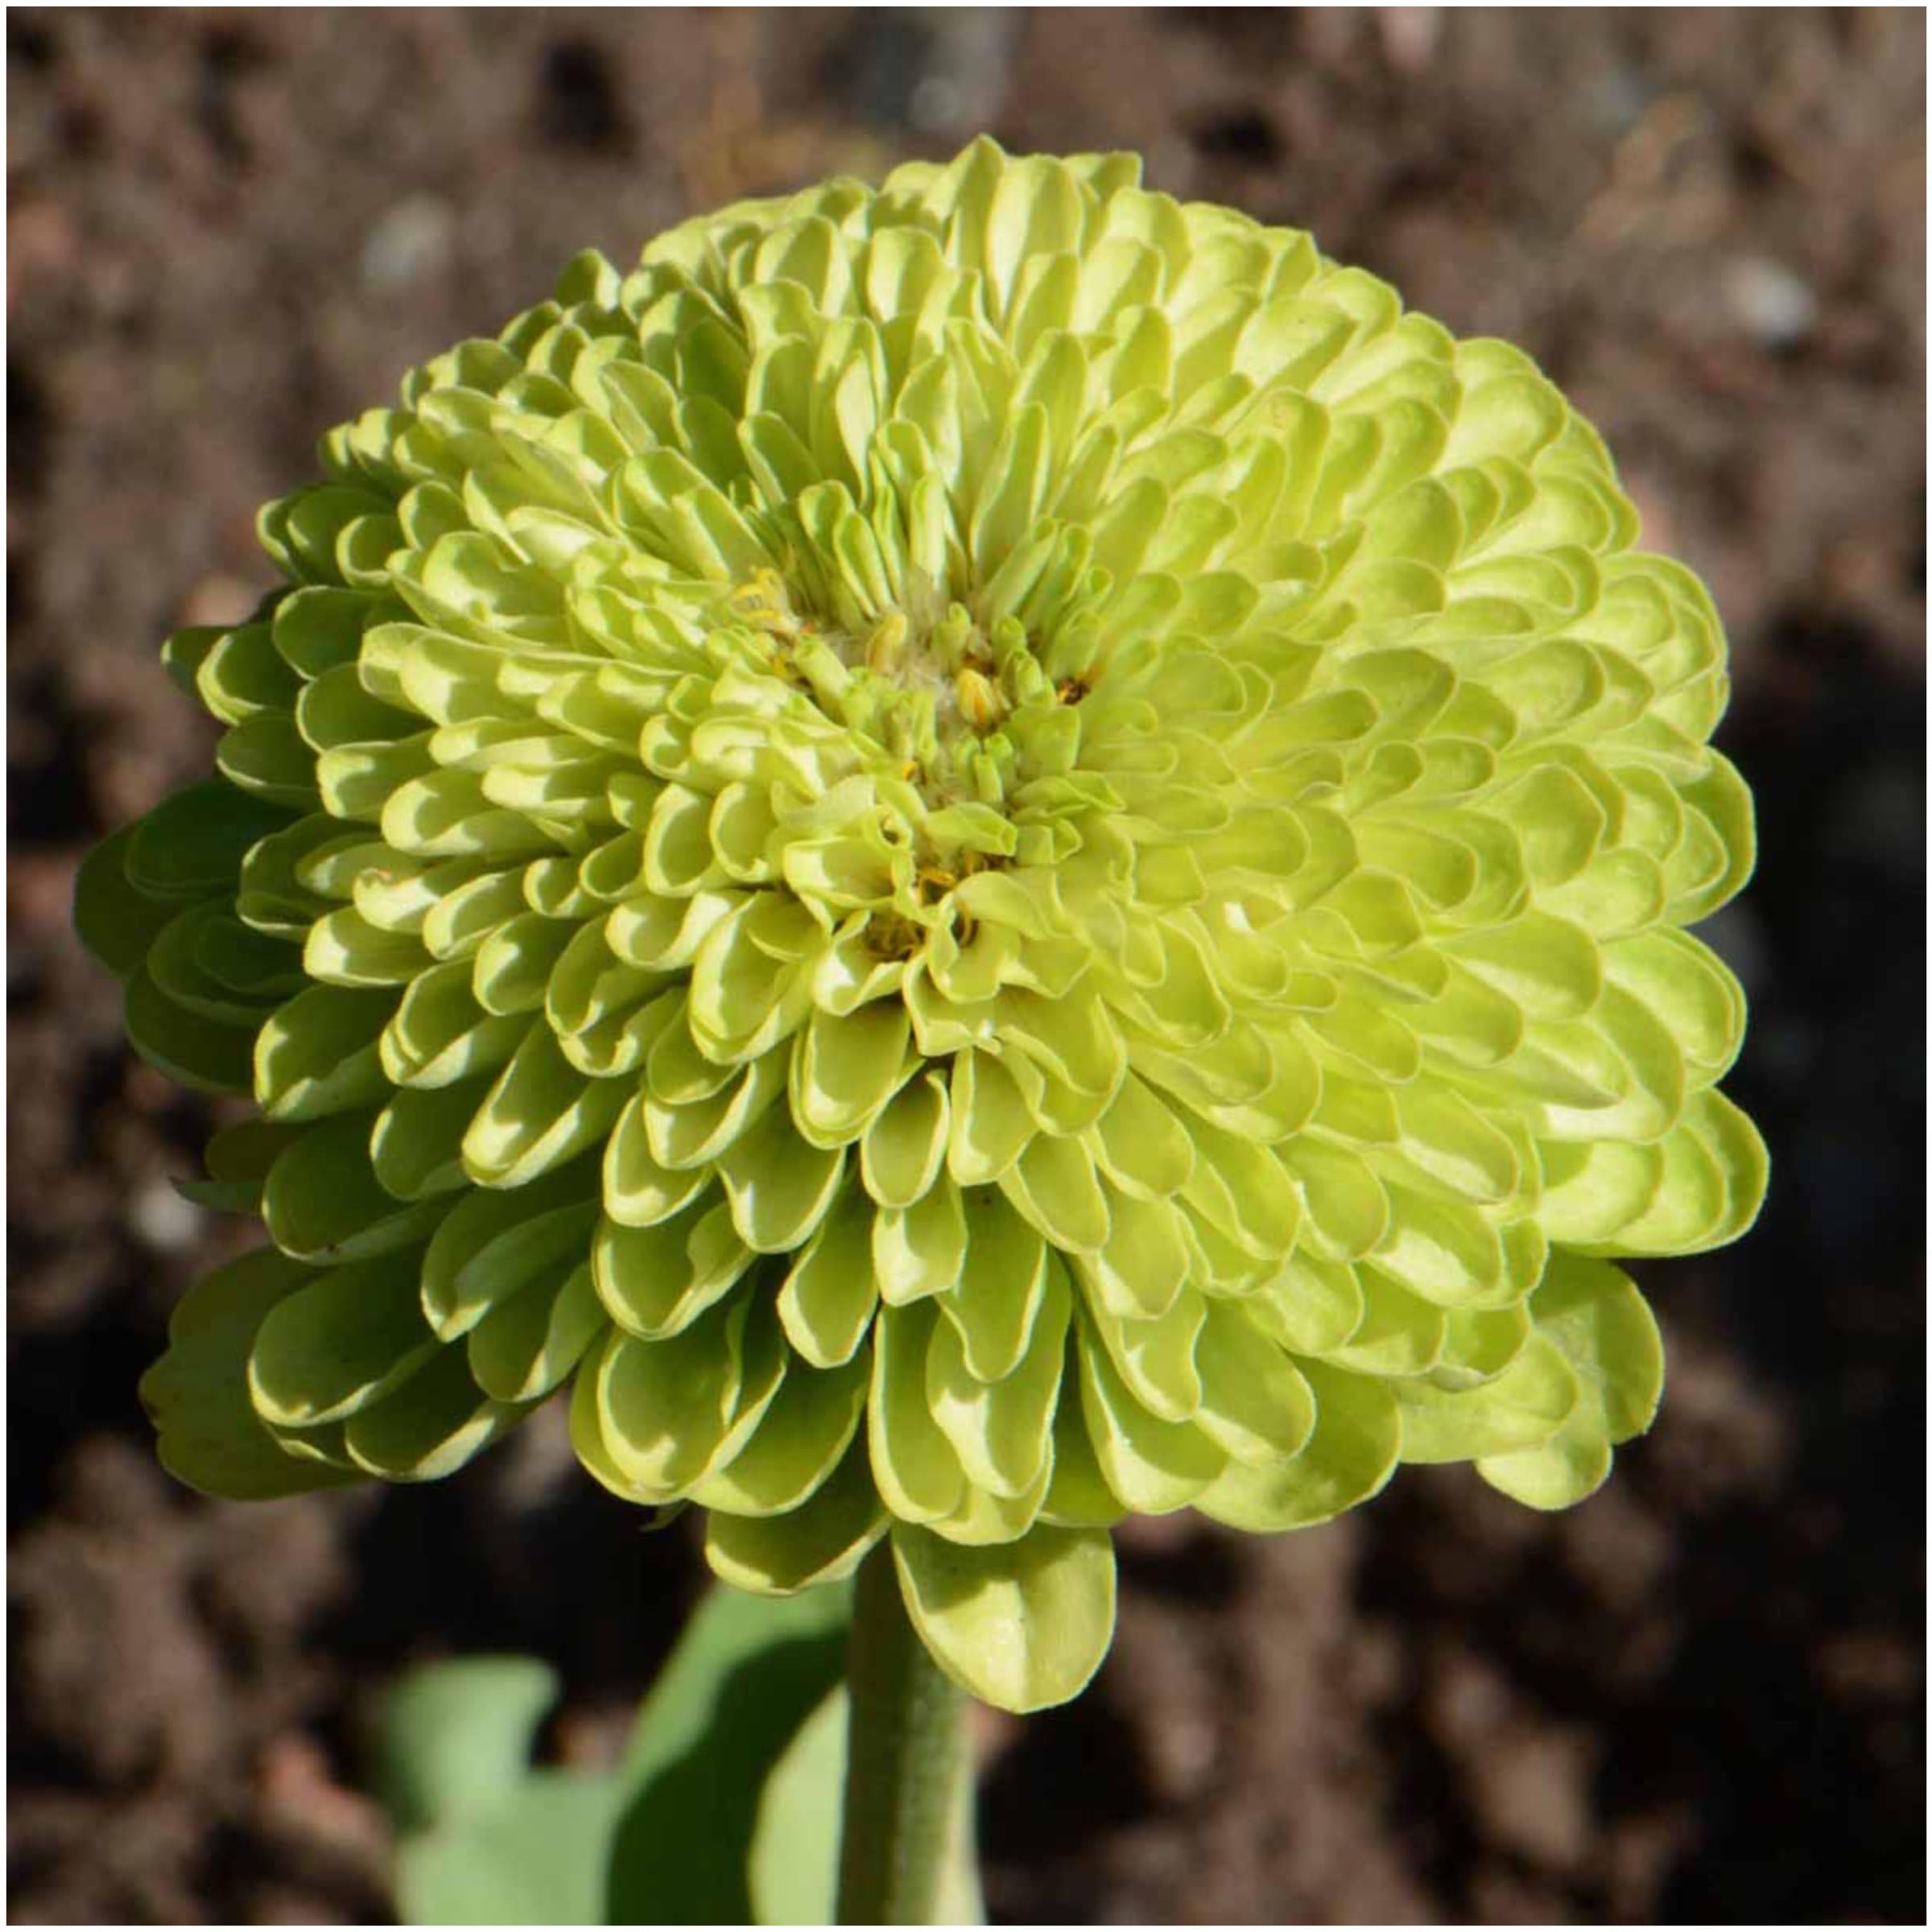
905, 1786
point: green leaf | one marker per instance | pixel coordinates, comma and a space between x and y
795, 1849
536, 1859
668, 1838
745, 1676
794, 1870
454, 1738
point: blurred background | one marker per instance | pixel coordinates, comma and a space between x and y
1697, 1697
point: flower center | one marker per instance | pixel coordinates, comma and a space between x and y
948, 660
924, 681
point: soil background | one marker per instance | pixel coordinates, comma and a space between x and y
1696, 1698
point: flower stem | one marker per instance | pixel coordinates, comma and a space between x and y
906, 1793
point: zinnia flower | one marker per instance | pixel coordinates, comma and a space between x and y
981, 854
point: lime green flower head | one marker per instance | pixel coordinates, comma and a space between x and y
981, 854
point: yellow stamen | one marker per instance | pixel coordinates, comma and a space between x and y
979, 702
763, 600
887, 644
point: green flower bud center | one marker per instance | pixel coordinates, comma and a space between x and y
927, 682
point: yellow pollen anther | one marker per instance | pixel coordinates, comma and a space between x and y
761, 600
887, 644
979, 702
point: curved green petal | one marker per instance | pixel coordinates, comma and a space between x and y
1348, 1458
197, 1394
1593, 1315
1023, 1626
824, 1539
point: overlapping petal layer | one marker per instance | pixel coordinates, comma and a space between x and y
983, 854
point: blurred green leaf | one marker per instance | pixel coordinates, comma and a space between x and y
535, 1855
455, 1737
668, 1838
793, 1871
747, 1673
485, 1839
794, 1867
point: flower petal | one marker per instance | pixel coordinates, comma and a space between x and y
1023, 1626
